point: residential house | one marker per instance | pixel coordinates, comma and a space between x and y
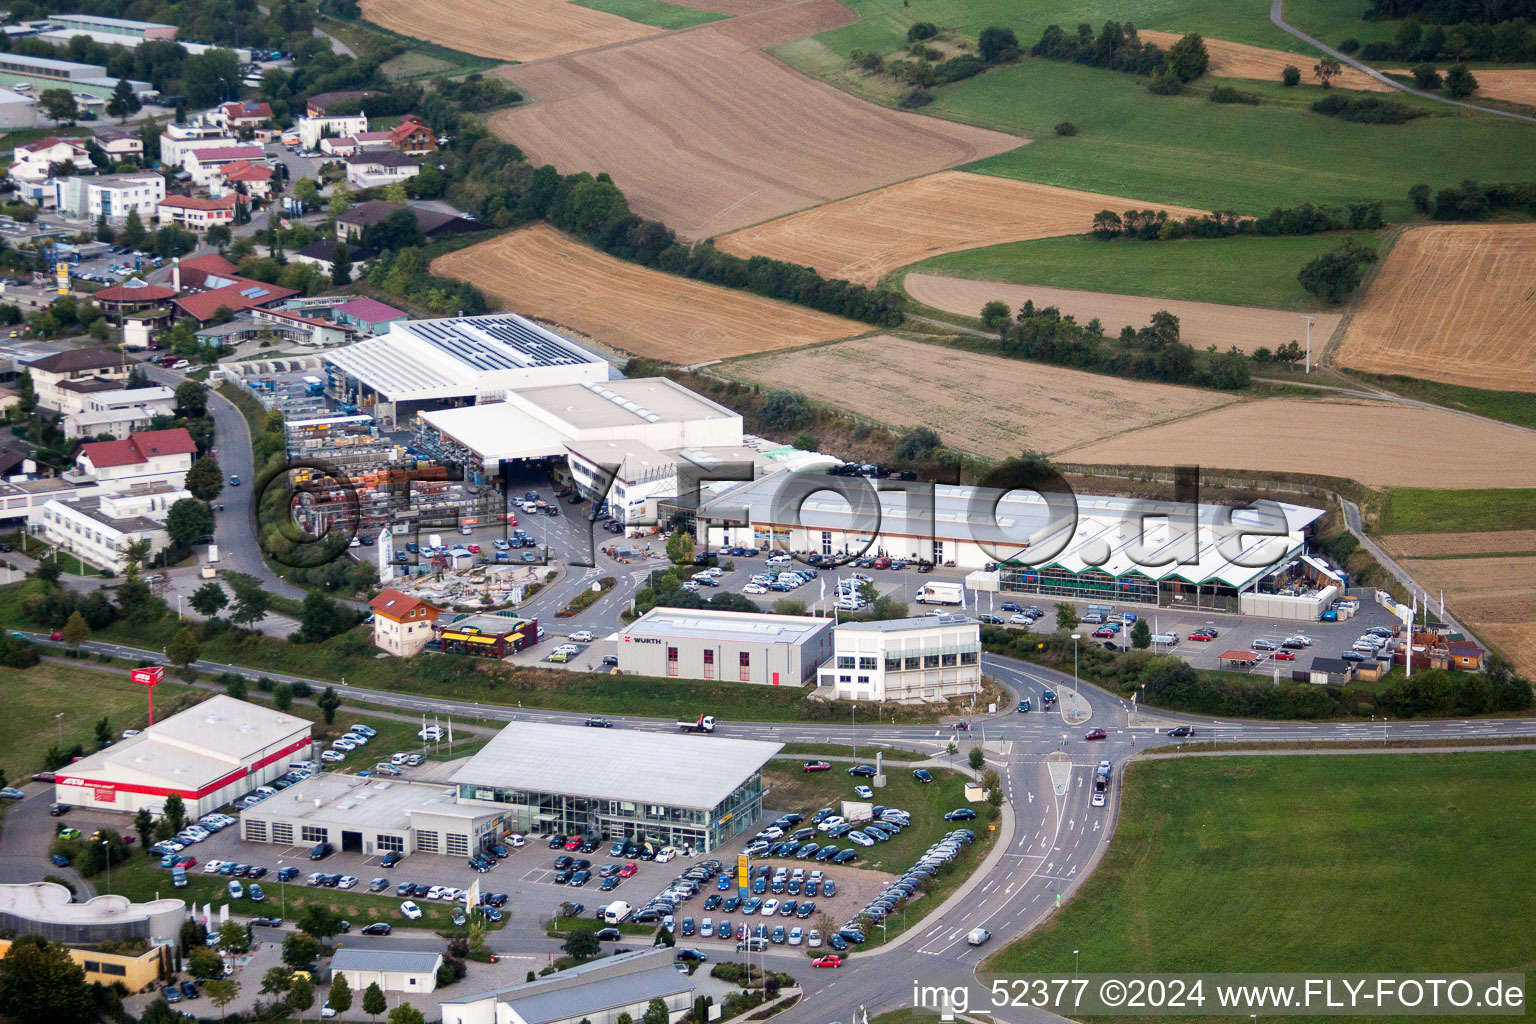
247, 178
120, 413
402, 624
362, 142
433, 223
321, 118
178, 141
322, 254
31, 161
87, 198
60, 380
236, 117
203, 273
100, 529
144, 459
119, 144
382, 167
197, 214
322, 104
412, 137
204, 164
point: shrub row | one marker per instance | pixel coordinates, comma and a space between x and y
1306, 219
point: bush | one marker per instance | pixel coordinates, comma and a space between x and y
1227, 94
1365, 110
958, 68
1291, 75
916, 98
1165, 83
998, 45
1065, 129
1426, 77
922, 30
1349, 45
1336, 273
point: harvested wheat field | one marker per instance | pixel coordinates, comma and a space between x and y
1240, 60
706, 132
542, 273
1512, 85
1382, 444
1493, 596
505, 29
979, 403
867, 236
1201, 324
1455, 303
1420, 545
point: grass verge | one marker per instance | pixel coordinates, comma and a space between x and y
1517, 407
1433, 510
1246, 271
867, 752
653, 12
1391, 864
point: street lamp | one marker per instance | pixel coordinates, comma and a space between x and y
282, 886
1074, 964
106, 846
58, 720
1075, 638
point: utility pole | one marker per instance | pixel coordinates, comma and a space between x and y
1309, 320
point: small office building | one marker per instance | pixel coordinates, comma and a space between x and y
393, 970
48, 909
372, 817
741, 647
208, 755
928, 658
645, 786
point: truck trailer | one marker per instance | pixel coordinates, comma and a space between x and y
941, 593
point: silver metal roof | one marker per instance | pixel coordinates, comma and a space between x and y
916, 622
732, 627
349, 958
616, 764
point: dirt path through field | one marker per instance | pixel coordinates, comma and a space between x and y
518, 30
1452, 302
979, 403
1240, 60
542, 273
705, 131
1377, 443
1201, 324
864, 237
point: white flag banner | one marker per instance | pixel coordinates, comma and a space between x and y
208, 917
1442, 604
472, 897
823, 588
223, 914
450, 732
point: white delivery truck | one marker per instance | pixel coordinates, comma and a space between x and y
616, 912
941, 593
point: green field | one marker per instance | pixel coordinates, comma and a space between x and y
1363, 863
1248, 271
653, 12
1517, 407
36, 696
1186, 150
1430, 510
1334, 21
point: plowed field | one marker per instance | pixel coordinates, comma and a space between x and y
865, 237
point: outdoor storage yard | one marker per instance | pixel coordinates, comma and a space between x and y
706, 132
542, 273
986, 404
1240, 60
505, 29
1492, 595
1452, 303
1201, 324
867, 236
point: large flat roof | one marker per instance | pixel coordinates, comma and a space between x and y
52, 903
619, 403
1019, 526
501, 341
499, 430
334, 797
616, 764
583, 990
735, 627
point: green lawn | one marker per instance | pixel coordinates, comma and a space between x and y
1334, 21
1428, 510
394, 735
1247, 271
808, 751
1307, 864
1187, 150
1517, 407
36, 696
30, 545
653, 12
142, 878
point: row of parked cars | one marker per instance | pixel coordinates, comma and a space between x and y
901, 890
779, 582
193, 834
1370, 644
784, 839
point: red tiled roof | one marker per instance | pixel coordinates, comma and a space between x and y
393, 604
126, 293
247, 110
204, 305
192, 203
196, 271
139, 448
51, 141
244, 170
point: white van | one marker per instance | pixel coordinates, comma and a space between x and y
616, 912
1165, 639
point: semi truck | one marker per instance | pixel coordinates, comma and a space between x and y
705, 723
941, 593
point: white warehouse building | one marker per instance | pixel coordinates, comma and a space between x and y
737, 647
208, 755
928, 658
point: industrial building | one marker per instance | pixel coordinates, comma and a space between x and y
17, 111
46, 73
100, 529
644, 786
1120, 550
372, 817
48, 909
655, 418
699, 643
598, 992
928, 658
435, 364
207, 755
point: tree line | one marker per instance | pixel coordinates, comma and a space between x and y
1117, 47
1472, 200
1366, 109
1306, 219
1153, 352
925, 65
1504, 31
